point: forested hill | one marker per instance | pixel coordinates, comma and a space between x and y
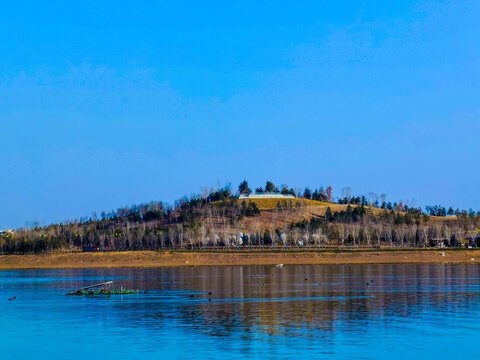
218, 219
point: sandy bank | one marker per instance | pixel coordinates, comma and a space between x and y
170, 258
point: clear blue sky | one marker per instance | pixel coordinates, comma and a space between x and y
109, 103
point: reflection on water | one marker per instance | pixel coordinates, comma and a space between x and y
342, 311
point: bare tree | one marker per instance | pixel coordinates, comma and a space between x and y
347, 193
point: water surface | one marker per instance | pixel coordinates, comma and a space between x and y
323, 311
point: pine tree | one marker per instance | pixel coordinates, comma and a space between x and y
307, 194
269, 187
328, 214
243, 188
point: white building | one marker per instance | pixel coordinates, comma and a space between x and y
271, 195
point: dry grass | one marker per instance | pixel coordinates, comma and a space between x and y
272, 216
318, 208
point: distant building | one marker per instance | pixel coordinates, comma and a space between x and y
266, 195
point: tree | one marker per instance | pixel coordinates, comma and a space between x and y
329, 194
243, 188
346, 194
328, 214
252, 209
349, 212
307, 194
323, 195
286, 191
266, 237
269, 187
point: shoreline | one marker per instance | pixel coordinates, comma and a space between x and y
148, 259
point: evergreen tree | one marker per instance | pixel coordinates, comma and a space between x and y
349, 211
266, 237
307, 194
243, 188
328, 214
269, 187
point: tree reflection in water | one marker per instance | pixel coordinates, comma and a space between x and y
299, 301
346, 311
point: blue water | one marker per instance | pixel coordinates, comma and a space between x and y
323, 311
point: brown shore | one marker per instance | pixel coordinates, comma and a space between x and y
209, 258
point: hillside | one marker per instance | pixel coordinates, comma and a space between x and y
221, 220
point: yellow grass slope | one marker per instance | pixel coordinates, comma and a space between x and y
280, 213
319, 207
269, 204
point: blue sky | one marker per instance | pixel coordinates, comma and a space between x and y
105, 104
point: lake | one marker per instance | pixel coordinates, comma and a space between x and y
320, 311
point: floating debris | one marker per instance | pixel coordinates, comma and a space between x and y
279, 266
101, 289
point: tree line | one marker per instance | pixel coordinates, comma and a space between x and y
216, 216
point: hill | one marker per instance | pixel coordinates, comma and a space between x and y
219, 219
